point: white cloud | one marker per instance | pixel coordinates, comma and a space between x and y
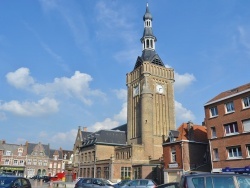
108, 123
65, 140
183, 81
41, 107
65, 137
76, 86
122, 115
20, 78
121, 94
182, 114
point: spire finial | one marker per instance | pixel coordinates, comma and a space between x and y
147, 4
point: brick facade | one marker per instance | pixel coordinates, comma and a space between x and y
229, 137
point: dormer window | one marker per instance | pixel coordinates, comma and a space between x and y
55, 157
8, 153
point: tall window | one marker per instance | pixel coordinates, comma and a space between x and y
246, 102
231, 128
7, 162
106, 172
248, 150
173, 155
98, 172
125, 172
234, 152
137, 173
213, 132
40, 162
213, 111
21, 163
15, 162
246, 125
229, 107
216, 154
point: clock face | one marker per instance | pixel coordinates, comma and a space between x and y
159, 88
136, 90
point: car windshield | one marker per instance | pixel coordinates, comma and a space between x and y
124, 182
6, 181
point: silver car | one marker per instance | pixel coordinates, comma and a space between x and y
140, 183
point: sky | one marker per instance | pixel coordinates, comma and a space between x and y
63, 64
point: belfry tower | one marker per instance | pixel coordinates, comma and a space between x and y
151, 112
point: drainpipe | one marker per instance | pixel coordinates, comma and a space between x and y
95, 161
182, 157
211, 159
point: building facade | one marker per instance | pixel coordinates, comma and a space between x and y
13, 158
185, 150
134, 150
227, 118
32, 159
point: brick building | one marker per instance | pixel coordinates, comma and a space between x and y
134, 150
227, 118
186, 149
32, 159
13, 158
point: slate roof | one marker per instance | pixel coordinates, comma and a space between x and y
174, 133
121, 128
106, 137
230, 93
68, 152
31, 147
55, 152
9, 147
199, 133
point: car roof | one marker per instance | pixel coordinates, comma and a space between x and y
212, 174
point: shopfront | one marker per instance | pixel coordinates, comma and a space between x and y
19, 171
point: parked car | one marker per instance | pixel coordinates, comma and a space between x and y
121, 183
35, 177
140, 183
45, 179
93, 183
215, 181
169, 185
110, 182
14, 182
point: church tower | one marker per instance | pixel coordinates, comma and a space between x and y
151, 112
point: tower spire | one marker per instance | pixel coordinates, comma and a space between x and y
148, 41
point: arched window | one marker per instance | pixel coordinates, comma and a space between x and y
147, 43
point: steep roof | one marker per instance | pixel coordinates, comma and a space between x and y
199, 133
230, 93
55, 152
148, 54
34, 146
121, 128
106, 137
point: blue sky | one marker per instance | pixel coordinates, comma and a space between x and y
63, 64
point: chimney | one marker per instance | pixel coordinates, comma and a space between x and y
190, 130
85, 129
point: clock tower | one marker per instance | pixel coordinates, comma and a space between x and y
151, 112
